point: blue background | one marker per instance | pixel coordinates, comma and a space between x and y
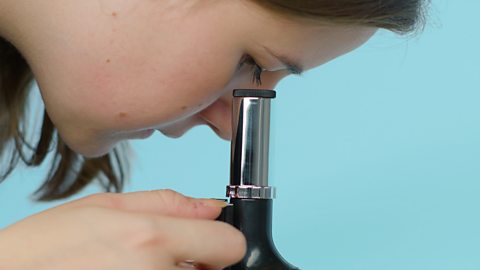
376, 155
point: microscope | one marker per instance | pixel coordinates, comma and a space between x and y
250, 196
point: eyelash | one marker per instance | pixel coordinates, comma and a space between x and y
256, 69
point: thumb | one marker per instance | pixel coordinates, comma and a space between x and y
159, 202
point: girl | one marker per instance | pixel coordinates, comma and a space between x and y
111, 70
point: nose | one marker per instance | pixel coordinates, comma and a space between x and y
219, 114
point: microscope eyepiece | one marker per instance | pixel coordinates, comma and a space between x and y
251, 198
261, 93
250, 144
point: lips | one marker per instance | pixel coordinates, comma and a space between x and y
144, 133
177, 129
177, 133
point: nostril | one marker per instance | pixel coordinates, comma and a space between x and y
218, 117
214, 128
224, 134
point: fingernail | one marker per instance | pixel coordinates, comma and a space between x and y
215, 203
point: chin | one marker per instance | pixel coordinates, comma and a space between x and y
90, 148
90, 152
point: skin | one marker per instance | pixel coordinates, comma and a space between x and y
147, 230
115, 70
112, 70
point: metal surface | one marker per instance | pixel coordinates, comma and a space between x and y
249, 148
250, 192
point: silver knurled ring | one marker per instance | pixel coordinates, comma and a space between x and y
250, 192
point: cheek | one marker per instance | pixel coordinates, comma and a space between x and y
100, 106
104, 92
175, 90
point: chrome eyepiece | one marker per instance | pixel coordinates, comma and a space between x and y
250, 144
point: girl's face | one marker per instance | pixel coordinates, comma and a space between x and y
116, 70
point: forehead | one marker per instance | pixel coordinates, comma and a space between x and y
307, 43
312, 46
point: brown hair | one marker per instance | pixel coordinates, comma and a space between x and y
400, 16
70, 172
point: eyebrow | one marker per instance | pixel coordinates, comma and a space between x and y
292, 66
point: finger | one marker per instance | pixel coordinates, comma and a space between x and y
193, 265
212, 244
159, 202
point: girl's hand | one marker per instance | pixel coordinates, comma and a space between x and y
152, 230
